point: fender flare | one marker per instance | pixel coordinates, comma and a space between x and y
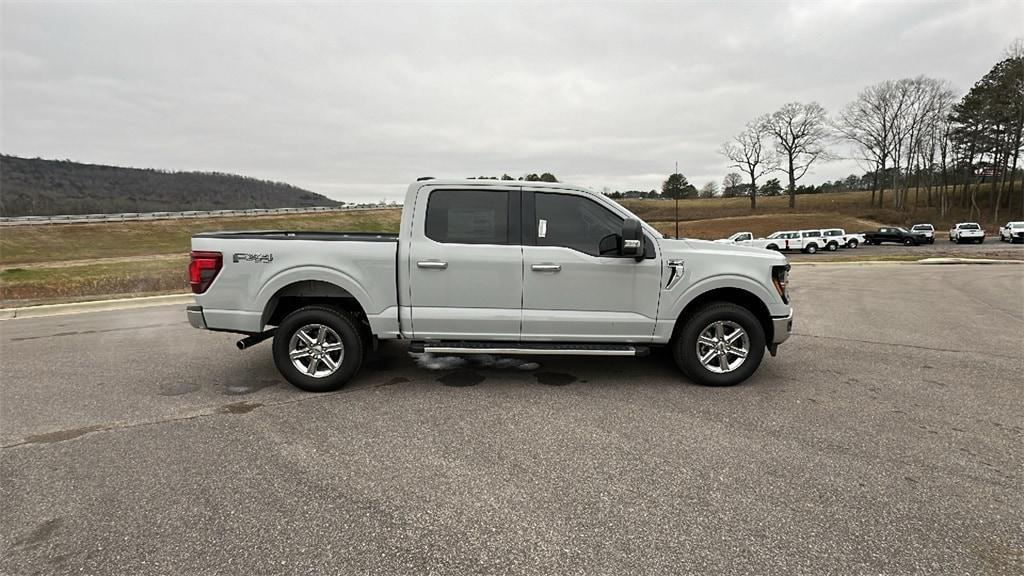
291, 276
731, 281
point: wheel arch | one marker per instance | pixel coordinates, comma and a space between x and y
731, 294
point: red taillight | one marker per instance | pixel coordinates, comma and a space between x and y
203, 269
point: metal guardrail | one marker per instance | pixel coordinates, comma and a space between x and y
148, 216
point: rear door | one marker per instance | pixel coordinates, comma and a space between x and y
466, 264
571, 291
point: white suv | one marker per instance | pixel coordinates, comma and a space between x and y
926, 231
967, 232
1013, 232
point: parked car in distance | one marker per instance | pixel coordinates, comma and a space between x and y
1012, 232
492, 267
926, 230
893, 234
962, 232
845, 240
808, 241
741, 238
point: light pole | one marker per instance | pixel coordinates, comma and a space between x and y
677, 202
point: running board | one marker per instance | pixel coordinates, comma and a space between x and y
532, 348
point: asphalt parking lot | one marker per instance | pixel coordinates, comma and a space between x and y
886, 438
991, 248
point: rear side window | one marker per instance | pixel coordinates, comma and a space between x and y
574, 222
468, 216
812, 235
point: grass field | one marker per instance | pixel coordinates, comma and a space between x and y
48, 243
49, 263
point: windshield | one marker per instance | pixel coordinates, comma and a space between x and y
902, 230
970, 227
1016, 224
776, 235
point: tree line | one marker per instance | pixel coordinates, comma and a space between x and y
37, 187
909, 134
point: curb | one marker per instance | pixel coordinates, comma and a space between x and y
94, 306
968, 261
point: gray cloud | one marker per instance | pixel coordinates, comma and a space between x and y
355, 100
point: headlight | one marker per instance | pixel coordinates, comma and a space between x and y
780, 277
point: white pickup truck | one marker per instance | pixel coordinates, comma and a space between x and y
492, 267
843, 239
805, 240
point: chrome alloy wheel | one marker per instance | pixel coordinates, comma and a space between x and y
316, 350
722, 346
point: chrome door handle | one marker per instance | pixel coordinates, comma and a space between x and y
432, 264
545, 267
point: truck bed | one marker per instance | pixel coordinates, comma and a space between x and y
259, 265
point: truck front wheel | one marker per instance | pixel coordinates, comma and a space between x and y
722, 344
318, 348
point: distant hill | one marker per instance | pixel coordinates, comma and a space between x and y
35, 187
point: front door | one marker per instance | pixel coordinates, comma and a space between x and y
571, 291
466, 265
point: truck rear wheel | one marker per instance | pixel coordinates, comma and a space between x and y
318, 348
722, 344
852, 243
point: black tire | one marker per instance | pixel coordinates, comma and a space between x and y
684, 346
832, 246
852, 243
981, 240
344, 326
910, 242
811, 248
931, 240
954, 240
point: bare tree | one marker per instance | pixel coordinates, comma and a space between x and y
801, 132
1015, 49
748, 152
867, 122
730, 184
709, 190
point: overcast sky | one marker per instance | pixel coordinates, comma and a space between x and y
355, 100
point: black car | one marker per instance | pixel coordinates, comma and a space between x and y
894, 234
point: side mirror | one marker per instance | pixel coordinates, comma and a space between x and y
633, 239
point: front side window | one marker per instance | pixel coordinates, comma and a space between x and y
576, 222
468, 216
